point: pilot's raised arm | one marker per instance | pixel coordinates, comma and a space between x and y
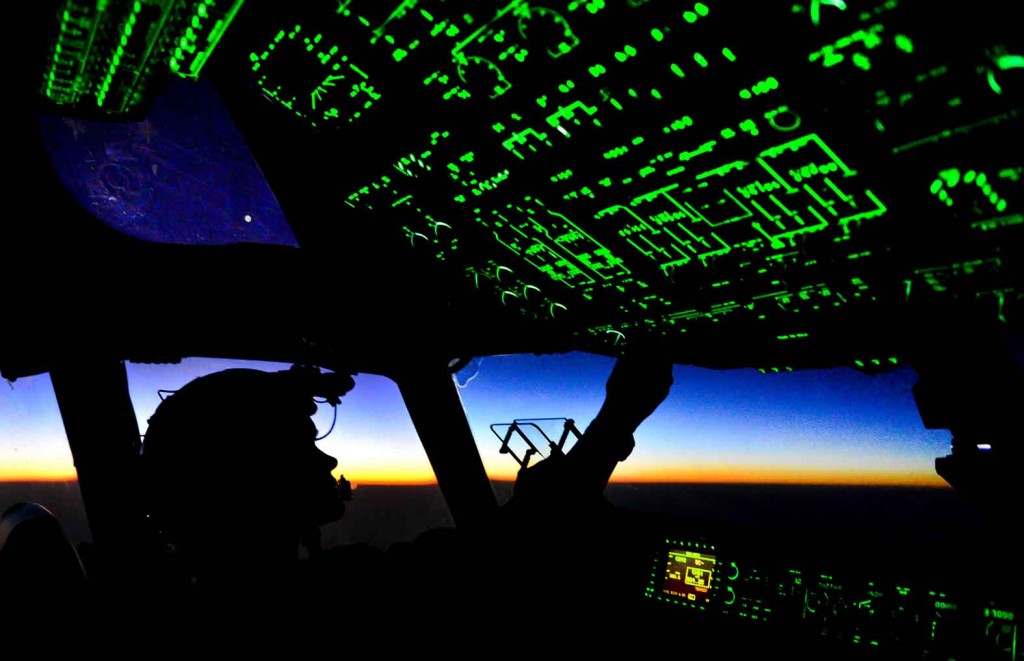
576, 550
638, 384
636, 387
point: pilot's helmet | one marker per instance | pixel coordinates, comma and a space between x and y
211, 409
232, 438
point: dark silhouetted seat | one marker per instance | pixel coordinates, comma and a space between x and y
36, 560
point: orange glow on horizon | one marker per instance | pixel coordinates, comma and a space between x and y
775, 475
411, 475
381, 476
40, 472
383, 482
687, 476
808, 480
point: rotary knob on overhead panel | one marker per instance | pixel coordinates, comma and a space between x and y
817, 600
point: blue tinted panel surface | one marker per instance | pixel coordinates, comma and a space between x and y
182, 175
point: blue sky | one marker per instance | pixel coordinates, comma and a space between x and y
819, 426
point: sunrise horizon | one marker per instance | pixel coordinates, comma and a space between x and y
826, 427
743, 478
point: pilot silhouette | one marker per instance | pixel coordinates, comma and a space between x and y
559, 514
555, 547
233, 479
